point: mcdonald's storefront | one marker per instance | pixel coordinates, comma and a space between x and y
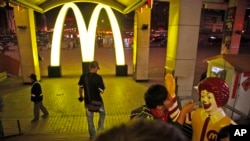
180, 55
86, 37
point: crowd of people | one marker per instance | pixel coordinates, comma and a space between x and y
160, 118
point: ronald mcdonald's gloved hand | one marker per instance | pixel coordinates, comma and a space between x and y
170, 84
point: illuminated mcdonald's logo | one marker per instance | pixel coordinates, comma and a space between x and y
87, 36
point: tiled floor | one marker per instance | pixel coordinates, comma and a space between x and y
67, 116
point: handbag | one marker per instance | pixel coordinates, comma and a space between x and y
94, 105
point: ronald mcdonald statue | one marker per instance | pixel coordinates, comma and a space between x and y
207, 120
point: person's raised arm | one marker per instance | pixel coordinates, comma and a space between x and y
171, 86
186, 109
177, 114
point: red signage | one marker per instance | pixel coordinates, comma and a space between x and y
246, 84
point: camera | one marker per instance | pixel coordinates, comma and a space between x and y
80, 99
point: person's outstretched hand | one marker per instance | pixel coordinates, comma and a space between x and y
190, 106
170, 84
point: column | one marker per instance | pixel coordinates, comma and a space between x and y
233, 26
26, 36
183, 33
141, 43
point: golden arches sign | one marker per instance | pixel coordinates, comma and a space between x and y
87, 36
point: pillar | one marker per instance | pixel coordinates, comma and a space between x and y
85, 67
233, 26
141, 44
183, 33
26, 37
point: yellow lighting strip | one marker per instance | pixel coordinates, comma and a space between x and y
57, 34
115, 28
87, 38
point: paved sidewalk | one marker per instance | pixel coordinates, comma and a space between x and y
67, 115
67, 119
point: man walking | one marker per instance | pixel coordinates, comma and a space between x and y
37, 98
93, 86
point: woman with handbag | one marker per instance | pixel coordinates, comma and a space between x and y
93, 86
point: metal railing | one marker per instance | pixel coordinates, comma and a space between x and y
9, 128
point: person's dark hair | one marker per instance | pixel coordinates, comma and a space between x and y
33, 76
94, 64
142, 130
155, 95
223, 132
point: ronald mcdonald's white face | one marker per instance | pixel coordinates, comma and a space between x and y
208, 101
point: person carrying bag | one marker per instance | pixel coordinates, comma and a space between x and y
94, 105
93, 86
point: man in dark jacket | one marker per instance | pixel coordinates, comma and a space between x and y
37, 98
161, 104
158, 102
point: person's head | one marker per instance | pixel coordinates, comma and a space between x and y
94, 66
223, 134
32, 77
157, 97
214, 92
142, 130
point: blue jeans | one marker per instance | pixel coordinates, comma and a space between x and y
91, 125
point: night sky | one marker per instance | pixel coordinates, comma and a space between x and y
159, 16
86, 9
